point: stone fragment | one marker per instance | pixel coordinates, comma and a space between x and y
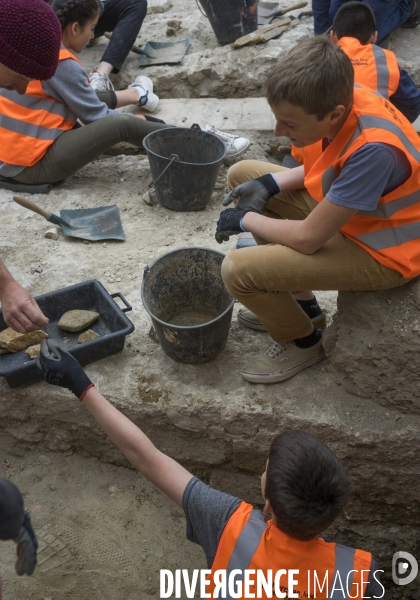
76, 320
87, 336
173, 26
12, 341
52, 234
149, 198
33, 351
158, 6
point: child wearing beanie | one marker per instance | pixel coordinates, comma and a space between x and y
47, 144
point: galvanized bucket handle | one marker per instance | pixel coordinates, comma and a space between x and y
172, 157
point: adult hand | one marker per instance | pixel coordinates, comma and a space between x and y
20, 311
254, 194
58, 367
26, 548
229, 224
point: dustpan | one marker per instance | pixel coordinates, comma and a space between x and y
164, 53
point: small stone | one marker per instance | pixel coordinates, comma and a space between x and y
76, 320
52, 234
12, 341
87, 336
173, 26
44, 460
149, 198
33, 351
158, 6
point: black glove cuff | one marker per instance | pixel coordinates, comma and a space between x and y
81, 385
270, 184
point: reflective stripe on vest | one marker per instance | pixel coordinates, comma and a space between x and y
391, 232
30, 123
373, 66
249, 542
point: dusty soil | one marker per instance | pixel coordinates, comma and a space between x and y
104, 532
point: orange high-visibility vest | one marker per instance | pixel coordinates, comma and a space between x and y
248, 542
373, 67
391, 232
31, 122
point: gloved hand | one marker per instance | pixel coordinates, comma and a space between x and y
229, 224
58, 367
254, 194
26, 548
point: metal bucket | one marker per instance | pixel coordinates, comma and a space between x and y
184, 165
231, 19
190, 307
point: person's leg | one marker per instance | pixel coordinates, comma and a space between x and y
389, 16
320, 9
76, 148
124, 18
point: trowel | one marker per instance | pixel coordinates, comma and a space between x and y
268, 10
102, 223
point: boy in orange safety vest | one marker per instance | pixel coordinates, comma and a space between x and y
354, 30
348, 219
305, 487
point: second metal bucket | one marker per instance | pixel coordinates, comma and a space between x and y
190, 307
184, 165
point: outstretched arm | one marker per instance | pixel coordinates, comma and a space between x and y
59, 367
164, 472
20, 311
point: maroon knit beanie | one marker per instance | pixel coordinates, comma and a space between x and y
30, 38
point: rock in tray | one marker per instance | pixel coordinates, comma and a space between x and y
33, 351
87, 336
12, 341
76, 320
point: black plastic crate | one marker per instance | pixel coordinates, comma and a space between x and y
112, 325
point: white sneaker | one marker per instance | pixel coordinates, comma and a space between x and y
149, 100
100, 81
235, 145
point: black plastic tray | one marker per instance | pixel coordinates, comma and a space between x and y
112, 326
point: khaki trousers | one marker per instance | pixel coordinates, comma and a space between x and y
263, 278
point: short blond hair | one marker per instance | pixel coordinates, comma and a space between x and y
316, 75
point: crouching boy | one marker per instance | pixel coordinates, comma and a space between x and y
348, 219
305, 488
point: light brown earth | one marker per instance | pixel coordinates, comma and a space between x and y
105, 532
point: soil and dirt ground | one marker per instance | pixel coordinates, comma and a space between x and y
104, 532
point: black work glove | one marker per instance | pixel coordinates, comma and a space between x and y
254, 194
58, 367
26, 548
229, 224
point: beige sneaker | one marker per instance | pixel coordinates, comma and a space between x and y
249, 319
100, 81
283, 361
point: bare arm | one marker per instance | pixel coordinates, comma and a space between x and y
305, 236
20, 311
292, 179
164, 472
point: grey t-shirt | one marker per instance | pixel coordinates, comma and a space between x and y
208, 510
372, 171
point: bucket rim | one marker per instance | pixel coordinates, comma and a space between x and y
182, 327
181, 161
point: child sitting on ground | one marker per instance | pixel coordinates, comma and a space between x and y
354, 30
305, 487
40, 141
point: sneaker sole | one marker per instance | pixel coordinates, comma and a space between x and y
239, 153
276, 378
320, 322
